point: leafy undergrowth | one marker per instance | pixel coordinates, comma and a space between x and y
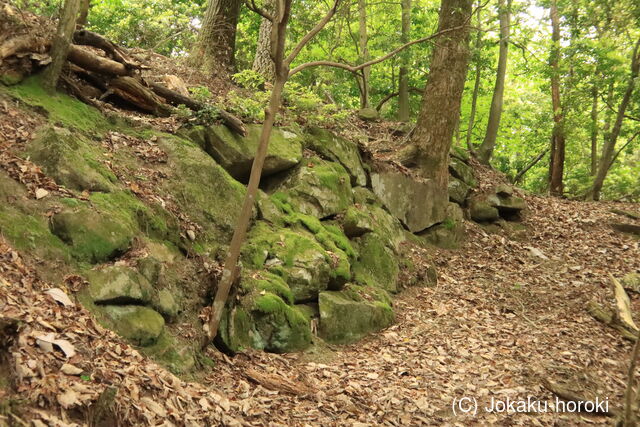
499, 322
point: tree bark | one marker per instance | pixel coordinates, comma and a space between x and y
594, 130
488, 144
61, 43
556, 186
441, 101
85, 5
476, 84
403, 76
262, 62
364, 53
216, 44
610, 144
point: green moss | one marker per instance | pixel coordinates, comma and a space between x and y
171, 352
70, 202
377, 265
267, 282
62, 109
31, 233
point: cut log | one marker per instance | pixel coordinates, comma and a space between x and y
89, 38
92, 62
175, 98
132, 90
79, 93
19, 44
623, 305
608, 317
626, 228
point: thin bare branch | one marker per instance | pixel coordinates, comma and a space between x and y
311, 34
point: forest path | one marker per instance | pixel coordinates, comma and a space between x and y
499, 321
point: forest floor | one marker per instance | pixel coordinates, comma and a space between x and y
500, 320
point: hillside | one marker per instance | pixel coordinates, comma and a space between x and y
389, 276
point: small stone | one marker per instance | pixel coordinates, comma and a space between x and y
191, 234
41, 193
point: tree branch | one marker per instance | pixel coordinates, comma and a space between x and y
311, 34
356, 68
252, 6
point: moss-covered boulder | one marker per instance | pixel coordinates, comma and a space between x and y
462, 171
140, 325
319, 188
458, 191
100, 232
417, 204
450, 232
482, 210
337, 149
295, 255
165, 303
377, 265
70, 160
172, 352
118, 285
460, 153
348, 315
357, 221
368, 115
264, 321
204, 190
235, 153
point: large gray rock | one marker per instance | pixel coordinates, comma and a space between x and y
458, 191
368, 114
319, 188
118, 285
337, 149
417, 204
235, 153
140, 325
482, 210
462, 171
450, 232
347, 316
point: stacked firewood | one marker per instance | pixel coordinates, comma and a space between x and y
99, 71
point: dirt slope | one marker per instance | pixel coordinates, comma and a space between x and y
499, 321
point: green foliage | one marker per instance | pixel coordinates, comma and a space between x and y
200, 93
249, 79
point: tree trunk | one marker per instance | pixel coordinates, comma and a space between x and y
364, 53
486, 148
610, 144
594, 130
476, 85
216, 44
556, 186
441, 101
403, 77
85, 5
61, 43
262, 62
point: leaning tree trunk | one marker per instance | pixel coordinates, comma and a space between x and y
403, 77
556, 186
364, 53
215, 48
61, 44
610, 144
488, 144
441, 101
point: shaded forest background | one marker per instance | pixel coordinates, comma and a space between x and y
593, 52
